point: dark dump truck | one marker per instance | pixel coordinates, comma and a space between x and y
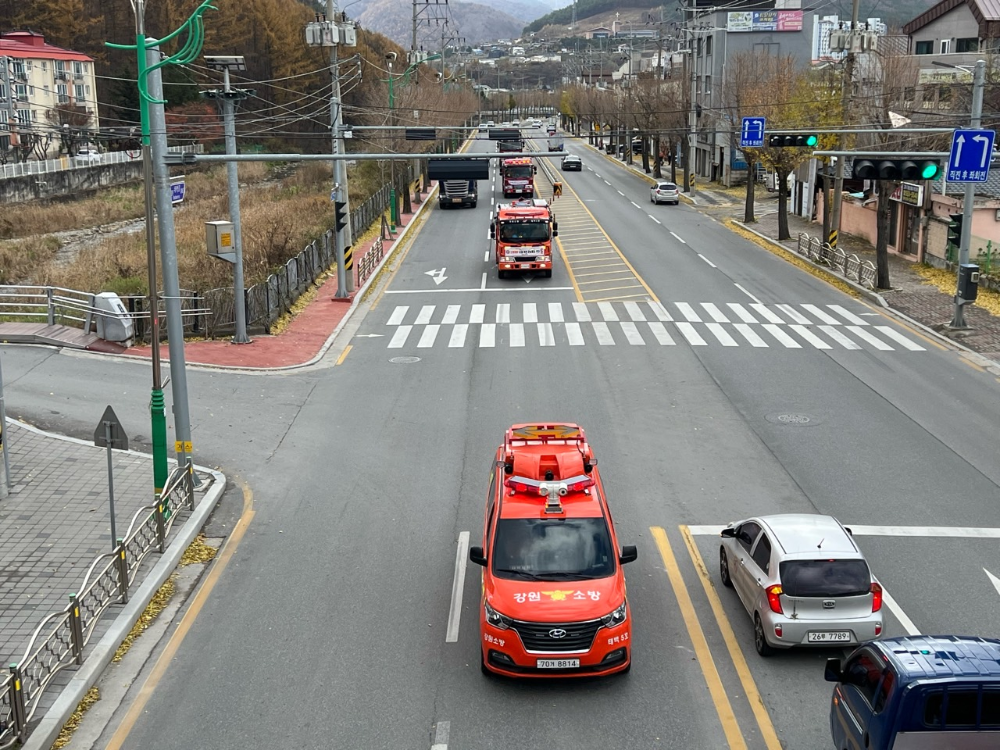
457, 193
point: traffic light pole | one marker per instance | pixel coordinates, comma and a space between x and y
845, 99
968, 201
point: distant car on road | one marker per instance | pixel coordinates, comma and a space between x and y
802, 580
664, 192
88, 155
572, 163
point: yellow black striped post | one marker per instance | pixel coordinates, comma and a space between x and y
833, 238
349, 267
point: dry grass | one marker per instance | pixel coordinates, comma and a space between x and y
21, 259
198, 552
156, 605
73, 723
945, 282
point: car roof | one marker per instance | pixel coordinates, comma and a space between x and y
665, 184
810, 534
935, 656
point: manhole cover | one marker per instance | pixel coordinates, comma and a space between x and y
404, 360
793, 419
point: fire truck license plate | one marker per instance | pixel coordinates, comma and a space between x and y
525, 265
557, 663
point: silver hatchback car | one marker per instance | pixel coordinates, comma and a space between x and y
803, 581
664, 192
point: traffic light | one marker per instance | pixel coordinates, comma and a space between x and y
340, 211
896, 169
955, 229
791, 141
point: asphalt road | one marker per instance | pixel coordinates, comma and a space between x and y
328, 629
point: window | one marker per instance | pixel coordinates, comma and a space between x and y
762, 553
62, 93
45, 66
945, 46
524, 231
79, 93
708, 84
990, 715
21, 92
959, 710
553, 549
884, 690
747, 534
825, 578
925, 48
3, 92
19, 70
77, 68
863, 672
23, 117
967, 45
708, 45
944, 94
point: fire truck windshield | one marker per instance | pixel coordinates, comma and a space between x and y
524, 231
518, 172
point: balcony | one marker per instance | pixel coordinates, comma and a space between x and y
62, 75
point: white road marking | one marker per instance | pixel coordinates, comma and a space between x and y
619, 192
457, 588
607, 310
488, 335
503, 312
632, 333
660, 332
688, 312
747, 293
604, 337
458, 334
555, 312
481, 289
450, 314
635, 204
659, 310
517, 334
654, 219
809, 336
862, 334
707, 260
574, 334
606, 182
677, 237
688, 332
848, 315
905, 621
717, 315
581, 312
744, 314
794, 314
748, 333
767, 314
529, 312
397, 315
441, 732
546, 337
482, 284
824, 317
782, 337
427, 337
837, 336
993, 579
900, 338
399, 337
634, 311
424, 316
477, 313
720, 333
487, 258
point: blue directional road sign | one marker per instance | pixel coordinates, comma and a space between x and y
752, 132
970, 155
177, 191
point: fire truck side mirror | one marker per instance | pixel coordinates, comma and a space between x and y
493, 230
555, 229
534, 169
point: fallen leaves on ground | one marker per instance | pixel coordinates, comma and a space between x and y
945, 281
156, 605
198, 552
73, 723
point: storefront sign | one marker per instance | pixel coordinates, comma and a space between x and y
909, 193
765, 20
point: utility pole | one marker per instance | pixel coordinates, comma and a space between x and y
344, 239
228, 97
845, 99
692, 117
968, 200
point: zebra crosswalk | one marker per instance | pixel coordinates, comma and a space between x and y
633, 323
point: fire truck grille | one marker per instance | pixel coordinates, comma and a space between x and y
546, 636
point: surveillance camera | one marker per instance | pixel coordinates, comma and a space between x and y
390, 56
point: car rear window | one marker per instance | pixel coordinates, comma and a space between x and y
825, 577
667, 186
553, 549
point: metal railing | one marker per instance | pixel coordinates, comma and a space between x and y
850, 266
370, 260
53, 304
20, 169
60, 638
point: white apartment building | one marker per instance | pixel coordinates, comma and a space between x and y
43, 86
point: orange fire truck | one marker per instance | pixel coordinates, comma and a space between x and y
518, 177
523, 232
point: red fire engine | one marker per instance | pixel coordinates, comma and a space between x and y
523, 232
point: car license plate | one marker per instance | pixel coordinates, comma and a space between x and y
525, 265
557, 663
837, 636
456, 200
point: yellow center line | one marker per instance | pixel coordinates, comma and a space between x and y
767, 731
343, 355
618, 297
569, 270
704, 656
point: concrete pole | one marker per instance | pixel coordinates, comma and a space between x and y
969, 199
342, 239
168, 262
233, 184
845, 99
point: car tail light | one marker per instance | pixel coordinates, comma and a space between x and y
876, 597
774, 598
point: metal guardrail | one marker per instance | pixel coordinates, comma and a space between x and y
850, 266
370, 260
60, 638
20, 169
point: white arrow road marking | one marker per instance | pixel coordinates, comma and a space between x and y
904, 620
986, 150
437, 275
993, 579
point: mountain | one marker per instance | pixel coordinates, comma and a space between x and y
525, 11
474, 22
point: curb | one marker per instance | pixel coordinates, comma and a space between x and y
51, 724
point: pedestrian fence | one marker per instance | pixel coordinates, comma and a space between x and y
370, 260
59, 640
19, 169
850, 266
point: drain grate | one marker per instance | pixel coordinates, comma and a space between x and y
404, 360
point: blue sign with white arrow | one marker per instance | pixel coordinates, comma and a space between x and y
971, 151
752, 132
177, 191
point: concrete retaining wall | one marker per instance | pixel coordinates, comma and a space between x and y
68, 182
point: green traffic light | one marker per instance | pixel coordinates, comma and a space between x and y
929, 171
811, 140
